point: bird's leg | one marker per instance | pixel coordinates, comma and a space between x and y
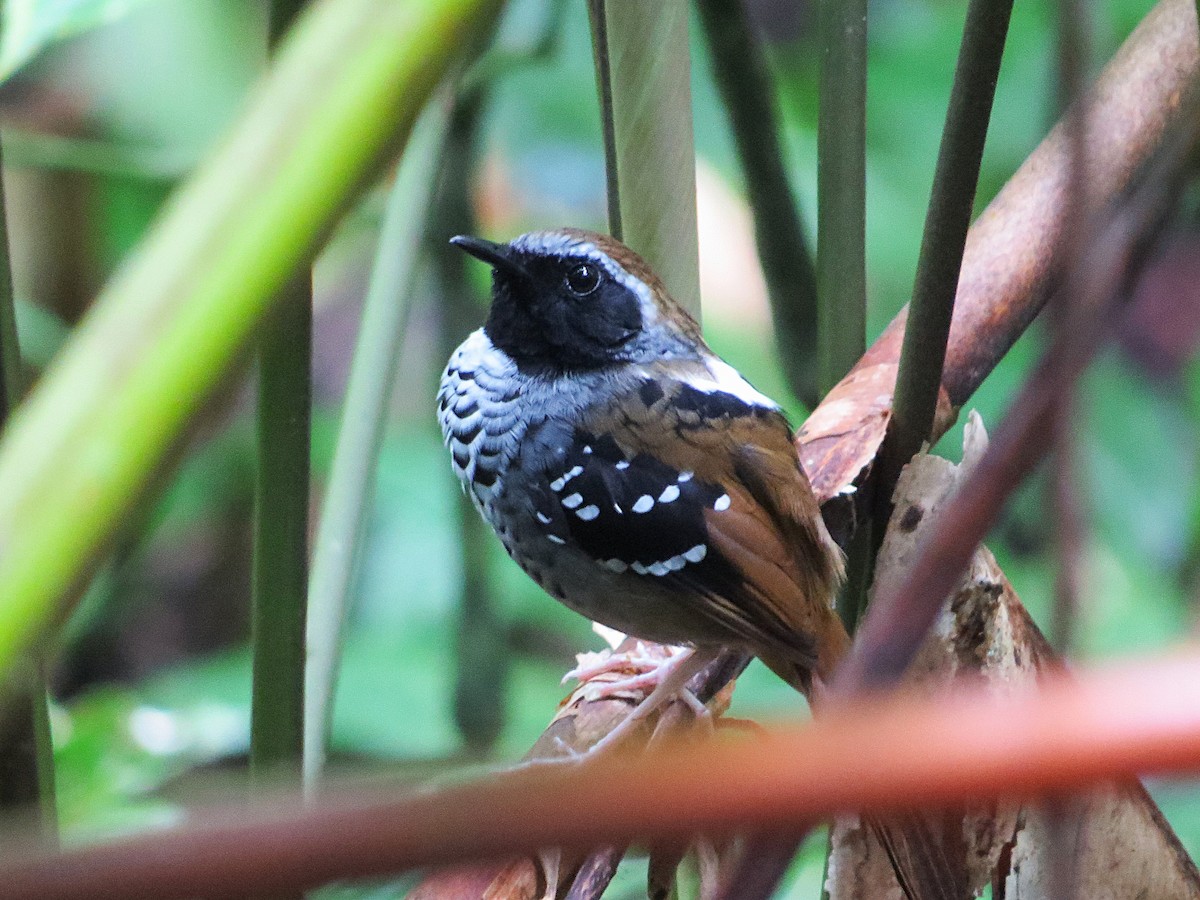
670, 680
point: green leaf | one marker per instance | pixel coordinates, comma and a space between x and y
88, 443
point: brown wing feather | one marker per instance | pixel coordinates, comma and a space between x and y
771, 532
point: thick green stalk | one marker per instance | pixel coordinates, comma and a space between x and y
955, 179
841, 190
281, 497
642, 49
352, 475
742, 76
344, 91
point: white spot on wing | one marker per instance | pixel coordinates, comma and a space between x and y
696, 554
572, 501
622, 465
670, 492
555, 539
558, 484
643, 503
543, 518
722, 503
589, 512
685, 477
614, 565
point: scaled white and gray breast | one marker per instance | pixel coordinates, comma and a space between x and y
478, 410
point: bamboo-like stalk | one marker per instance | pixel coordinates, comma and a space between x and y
642, 50
281, 498
86, 445
841, 190
955, 179
741, 73
364, 411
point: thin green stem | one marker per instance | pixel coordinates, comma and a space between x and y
352, 475
481, 648
600, 53
955, 179
280, 581
281, 532
26, 747
282, 14
742, 76
841, 190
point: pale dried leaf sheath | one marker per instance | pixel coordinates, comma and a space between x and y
1125, 848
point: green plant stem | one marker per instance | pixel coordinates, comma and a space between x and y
647, 119
27, 786
841, 190
600, 54
742, 76
282, 485
86, 445
282, 14
281, 533
368, 389
481, 648
26, 747
955, 179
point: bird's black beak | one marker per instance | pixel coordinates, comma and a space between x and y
499, 256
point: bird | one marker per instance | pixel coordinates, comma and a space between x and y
631, 472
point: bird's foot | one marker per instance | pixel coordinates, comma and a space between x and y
636, 663
666, 681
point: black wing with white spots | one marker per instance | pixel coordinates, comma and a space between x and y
629, 513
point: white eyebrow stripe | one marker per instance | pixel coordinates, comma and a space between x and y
582, 249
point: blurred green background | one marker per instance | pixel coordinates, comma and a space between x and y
109, 104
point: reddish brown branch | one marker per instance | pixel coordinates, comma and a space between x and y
873, 755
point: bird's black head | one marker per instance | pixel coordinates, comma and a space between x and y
563, 301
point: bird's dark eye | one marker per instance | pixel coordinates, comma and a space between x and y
583, 279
